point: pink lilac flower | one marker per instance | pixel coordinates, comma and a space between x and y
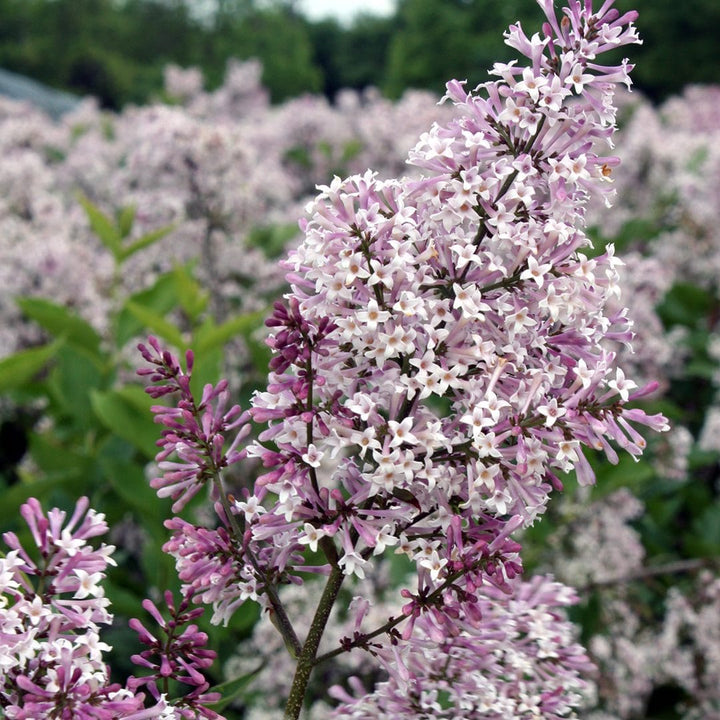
52, 605
467, 289
177, 653
194, 431
520, 660
445, 354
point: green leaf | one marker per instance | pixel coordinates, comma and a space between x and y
18, 369
127, 415
60, 321
207, 369
73, 376
55, 459
73, 483
351, 150
130, 483
300, 156
124, 602
211, 336
102, 226
158, 567
686, 304
704, 540
272, 239
143, 242
191, 296
125, 219
233, 689
156, 323
160, 297
705, 369
697, 159
628, 472
260, 354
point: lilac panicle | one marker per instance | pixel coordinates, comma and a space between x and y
520, 660
446, 353
178, 653
52, 607
468, 289
195, 431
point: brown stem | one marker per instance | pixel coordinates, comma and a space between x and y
306, 661
280, 619
363, 638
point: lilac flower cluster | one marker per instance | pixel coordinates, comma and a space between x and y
52, 607
211, 562
522, 657
467, 291
194, 432
178, 653
521, 661
443, 357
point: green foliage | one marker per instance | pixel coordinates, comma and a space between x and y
98, 434
355, 56
159, 299
440, 39
233, 690
61, 322
277, 38
18, 369
125, 412
114, 233
272, 239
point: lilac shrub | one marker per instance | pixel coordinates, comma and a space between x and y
667, 215
445, 355
214, 166
42, 239
666, 220
440, 362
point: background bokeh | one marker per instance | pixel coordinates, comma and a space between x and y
163, 205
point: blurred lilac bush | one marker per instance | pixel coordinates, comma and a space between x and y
214, 169
452, 344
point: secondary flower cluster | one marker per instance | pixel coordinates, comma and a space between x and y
521, 658
51, 610
52, 607
521, 661
177, 653
194, 432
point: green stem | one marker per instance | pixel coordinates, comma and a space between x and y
306, 661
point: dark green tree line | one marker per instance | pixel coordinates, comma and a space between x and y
117, 50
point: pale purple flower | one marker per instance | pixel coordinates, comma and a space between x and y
517, 658
51, 610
